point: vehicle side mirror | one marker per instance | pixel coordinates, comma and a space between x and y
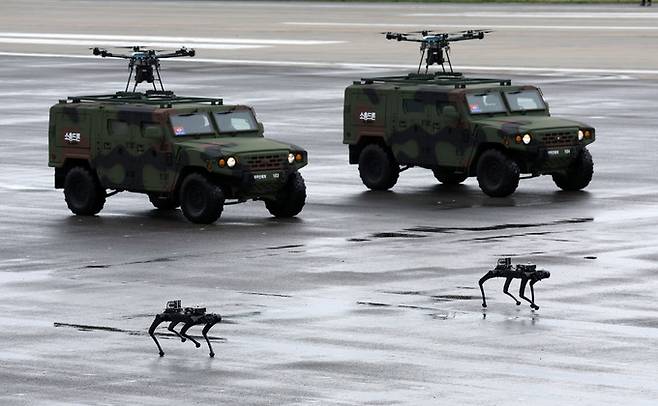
450, 113
153, 132
261, 128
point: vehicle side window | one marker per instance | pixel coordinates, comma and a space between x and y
117, 127
148, 126
191, 124
413, 106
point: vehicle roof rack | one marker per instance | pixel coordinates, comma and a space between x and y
455, 79
151, 97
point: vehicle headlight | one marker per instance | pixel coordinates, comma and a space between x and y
526, 139
581, 135
230, 162
291, 158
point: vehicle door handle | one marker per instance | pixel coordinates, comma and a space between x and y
107, 145
403, 123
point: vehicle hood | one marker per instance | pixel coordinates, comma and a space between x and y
223, 146
521, 124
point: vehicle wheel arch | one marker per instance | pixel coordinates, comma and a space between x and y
70, 163
355, 150
485, 146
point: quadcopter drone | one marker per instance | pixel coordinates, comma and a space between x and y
143, 62
435, 46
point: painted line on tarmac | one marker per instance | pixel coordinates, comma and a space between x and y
348, 65
488, 26
179, 40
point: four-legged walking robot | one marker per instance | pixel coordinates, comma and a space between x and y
527, 273
189, 316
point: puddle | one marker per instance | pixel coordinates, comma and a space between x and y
500, 237
87, 328
265, 294
397, 235
147, 261
427, 229
449, 298
404, 292
282, 247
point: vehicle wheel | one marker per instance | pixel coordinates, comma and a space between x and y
163, 203
83, 193
378, 168
578, 175
498, 175
290, 199
449, 178
201, 200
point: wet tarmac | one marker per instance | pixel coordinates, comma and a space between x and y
366, 297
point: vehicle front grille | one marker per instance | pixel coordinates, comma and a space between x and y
265, 162
558, 138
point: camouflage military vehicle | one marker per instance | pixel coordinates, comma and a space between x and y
460, 127
196, 153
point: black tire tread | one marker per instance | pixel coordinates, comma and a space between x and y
511, 172
579, 174
291, 198
96, 199
391, 169
214, 203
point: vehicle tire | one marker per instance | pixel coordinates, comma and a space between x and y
163, 203
449, 178
578, 175
498, 175
377, 168
83, 193
290, 199
201, 200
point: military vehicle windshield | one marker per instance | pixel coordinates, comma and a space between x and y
485, 103
524, 100
191, 124
235, 121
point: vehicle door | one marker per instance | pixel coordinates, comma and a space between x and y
409, 140
115, 162
156, 149
450, 139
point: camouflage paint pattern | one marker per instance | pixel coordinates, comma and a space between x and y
143, 154
407, 117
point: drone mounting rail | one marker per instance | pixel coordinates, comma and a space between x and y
439, 78
150, 97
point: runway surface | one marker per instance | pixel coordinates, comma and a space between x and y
365, 298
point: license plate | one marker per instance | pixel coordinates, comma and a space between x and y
554, 153
266, 176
